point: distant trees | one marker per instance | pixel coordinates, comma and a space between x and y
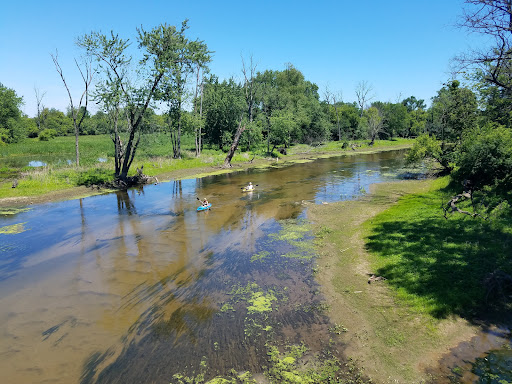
12, 128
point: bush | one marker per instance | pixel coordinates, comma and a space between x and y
47, 134
94, 176
485, 158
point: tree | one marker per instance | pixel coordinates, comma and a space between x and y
40, 107
329, 96
186, 57
492, 18
115, 88
373, 120
11, 127
78, 119
201, 57
223, 104
248, 88
58, 121
485, 158
364, 94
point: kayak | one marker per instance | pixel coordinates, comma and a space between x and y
204, 207
247, 190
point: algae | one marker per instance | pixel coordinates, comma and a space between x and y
13, 229
260, 256
12, 211
261, 302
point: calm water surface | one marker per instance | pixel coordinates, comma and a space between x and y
137, 286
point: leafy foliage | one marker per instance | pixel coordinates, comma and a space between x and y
11, 127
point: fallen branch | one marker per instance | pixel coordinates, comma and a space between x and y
451, 206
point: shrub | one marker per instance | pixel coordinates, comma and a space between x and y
94, 176
47, 134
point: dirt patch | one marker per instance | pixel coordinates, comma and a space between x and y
390, 343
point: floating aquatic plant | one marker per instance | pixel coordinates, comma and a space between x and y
13, 229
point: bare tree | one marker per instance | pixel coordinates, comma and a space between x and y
364, 94
492, 18
40, 107
86, 74
249, 87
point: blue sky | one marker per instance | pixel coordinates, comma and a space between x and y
401, 48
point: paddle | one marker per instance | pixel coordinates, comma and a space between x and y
254, 185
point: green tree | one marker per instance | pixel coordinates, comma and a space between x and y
58, 121
115, 88
223, 105
454, 111
12, 128
485, 158
184, 57
373, 121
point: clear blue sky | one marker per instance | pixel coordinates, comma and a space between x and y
400, 47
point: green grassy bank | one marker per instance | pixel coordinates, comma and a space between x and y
435, 270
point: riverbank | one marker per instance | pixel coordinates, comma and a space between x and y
398, 329
39, 191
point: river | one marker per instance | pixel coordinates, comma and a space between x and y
137, 286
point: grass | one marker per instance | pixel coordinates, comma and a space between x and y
437, 265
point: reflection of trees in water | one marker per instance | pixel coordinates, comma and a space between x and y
162, 268
125, 206
177, 189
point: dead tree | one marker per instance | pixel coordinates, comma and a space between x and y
87, 79
40, 108
363, 94
451, 206
234, 145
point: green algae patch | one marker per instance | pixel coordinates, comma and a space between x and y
256, 299
261, 302
12, 211
296, 233
227, 307
260, 256
13, 229
291, 231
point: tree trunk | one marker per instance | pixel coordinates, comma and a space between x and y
234, 145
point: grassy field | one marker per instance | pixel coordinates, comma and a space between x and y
435, 270
97, 163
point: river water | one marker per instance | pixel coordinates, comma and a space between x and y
137, 286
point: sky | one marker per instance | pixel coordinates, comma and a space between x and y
400, 47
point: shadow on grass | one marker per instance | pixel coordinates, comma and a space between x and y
439, 265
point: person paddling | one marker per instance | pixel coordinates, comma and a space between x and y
205, 202
250, 187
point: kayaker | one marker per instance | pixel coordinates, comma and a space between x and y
205, 202
250, 187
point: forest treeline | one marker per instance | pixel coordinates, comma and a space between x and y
287, 109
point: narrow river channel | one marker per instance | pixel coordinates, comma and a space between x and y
137, 286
